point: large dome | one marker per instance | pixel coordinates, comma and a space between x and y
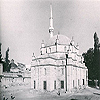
62, 39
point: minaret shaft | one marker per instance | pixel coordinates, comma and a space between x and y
51, 29
51, 10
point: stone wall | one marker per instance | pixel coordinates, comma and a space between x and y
11, 79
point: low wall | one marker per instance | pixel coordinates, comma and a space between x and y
13, 79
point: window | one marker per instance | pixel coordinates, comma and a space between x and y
81, 60
34, 71
56, 42
54, 84
45, 71
65, 48
78, 82
62, 71
86, 75
55, 68
41, 52
46, 50
23, 79
72, 49
62, 62
50, 50
73, 83
44, 85
34, 84
62, 84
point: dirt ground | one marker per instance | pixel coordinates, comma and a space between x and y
24, 92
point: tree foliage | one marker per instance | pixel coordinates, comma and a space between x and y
0, 54
92, 60
88, 60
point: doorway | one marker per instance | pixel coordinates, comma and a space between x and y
83, 81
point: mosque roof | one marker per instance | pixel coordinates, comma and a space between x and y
62, 39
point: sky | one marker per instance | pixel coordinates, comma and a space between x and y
25, 23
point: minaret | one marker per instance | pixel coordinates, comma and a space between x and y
51, 29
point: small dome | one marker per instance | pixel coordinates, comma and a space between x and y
62, 39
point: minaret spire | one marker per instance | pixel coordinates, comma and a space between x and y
51, 29
51, 10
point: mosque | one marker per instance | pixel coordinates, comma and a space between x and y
59, 66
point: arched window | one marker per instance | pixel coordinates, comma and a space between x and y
73, 83
86, 75
45, 71
50, 50
62, 71
34, 84
46, 50
34, 71
65, 48
54, 84
81, 60
78, 82
41, 52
